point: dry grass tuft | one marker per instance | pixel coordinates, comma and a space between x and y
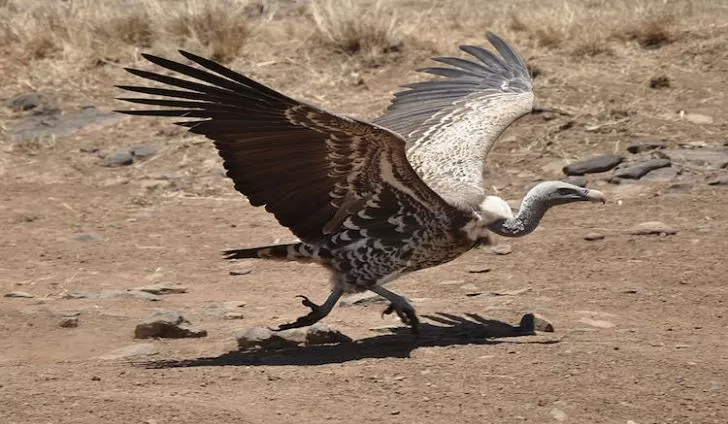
97, 32
368, 32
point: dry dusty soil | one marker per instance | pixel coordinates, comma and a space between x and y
640, 321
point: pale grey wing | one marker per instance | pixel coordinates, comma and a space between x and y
311, 169
450, 124
501, 86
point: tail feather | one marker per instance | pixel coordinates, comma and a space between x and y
290, 252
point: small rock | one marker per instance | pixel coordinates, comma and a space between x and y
708, 157
38, 102
120, 158
87, 237
719, 181
644, 147
659, 82
51, 124
637, 170
479, 270
593, 165
593, 236
139, 349
661, 175
596, 322
535, 322
260, 337
652, 227
19, 295
234, 315
143, 151
558, 415
241, 272
700, 119
577, 180
320, 333
68, 322
167, 324
162, 288
360, 299
502, 249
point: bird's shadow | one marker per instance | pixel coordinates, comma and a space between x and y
449, 330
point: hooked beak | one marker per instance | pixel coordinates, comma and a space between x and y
596, 196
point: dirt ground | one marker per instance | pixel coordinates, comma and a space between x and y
640, 321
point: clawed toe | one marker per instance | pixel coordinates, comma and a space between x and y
316, 314
407, 315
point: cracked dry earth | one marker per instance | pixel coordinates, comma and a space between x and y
640, 320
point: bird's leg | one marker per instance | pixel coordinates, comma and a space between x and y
317, 311
404, 310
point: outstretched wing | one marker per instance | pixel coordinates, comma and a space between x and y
311, 169
451, 124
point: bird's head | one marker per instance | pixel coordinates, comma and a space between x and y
555, 193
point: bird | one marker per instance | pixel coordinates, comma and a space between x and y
369, 201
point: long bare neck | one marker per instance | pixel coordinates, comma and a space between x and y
532, 209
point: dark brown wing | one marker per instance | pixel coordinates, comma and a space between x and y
310, 168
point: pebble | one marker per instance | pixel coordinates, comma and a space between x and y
652, 227
644, 147
138, 349
68, 322
264, 338
121, 157
233, 315
637, 170
19, 295
241, 272
479, 270
502, 249
708, 157
593, 236
162, 288
719, 181
167, 324
535, 322
143, 150
320, 333
593, 165
359, 299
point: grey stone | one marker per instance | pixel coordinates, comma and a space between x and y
320, 333
636, 170
19, 295
111, 294
531, 323
143, 150
241, 272
120, 158
719, 181
593, 165
502, 249
644, 147
55, 126
593, 236
162, 288
360, 299
139, 349
36, 101
577, 180
263, 338
68, 322
652, 227
708, 157
233, 315
167, 324
86, 237
661, 174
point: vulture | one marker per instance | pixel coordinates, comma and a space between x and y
369, 201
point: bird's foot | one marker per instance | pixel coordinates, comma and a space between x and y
316, 314
407, 314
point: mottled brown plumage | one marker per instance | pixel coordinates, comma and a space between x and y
368, 201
